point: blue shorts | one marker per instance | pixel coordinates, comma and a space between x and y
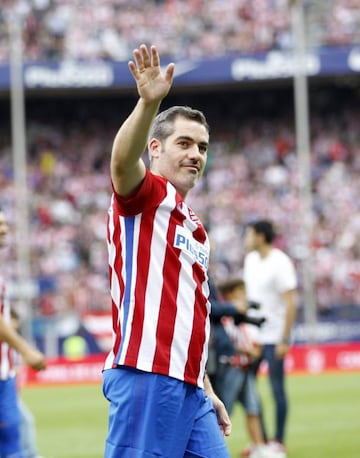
9, 420
152, 415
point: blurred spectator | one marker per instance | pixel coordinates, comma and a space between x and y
110, 29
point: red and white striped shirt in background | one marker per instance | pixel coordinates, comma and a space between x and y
244, 337
6, 353
158, 260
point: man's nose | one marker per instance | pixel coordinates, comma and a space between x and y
194, 151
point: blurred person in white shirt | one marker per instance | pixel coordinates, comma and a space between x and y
271, 280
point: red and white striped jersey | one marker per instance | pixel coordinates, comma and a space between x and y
6, 353
244, 337
158, 260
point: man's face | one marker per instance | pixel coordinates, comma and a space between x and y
252, 239
4, 229
181, 158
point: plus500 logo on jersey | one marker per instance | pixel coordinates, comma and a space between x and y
186, 243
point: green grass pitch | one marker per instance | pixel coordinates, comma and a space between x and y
324, 418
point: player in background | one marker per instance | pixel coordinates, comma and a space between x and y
10, 444
161, 400
27, 420
271, 280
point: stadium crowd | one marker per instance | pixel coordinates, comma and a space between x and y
252, 172
111, 29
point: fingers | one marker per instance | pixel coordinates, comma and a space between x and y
38, 365
155, 59
155, 56
169, 74
138, 67
37, 361
226, 425
142, 59
227, 430
224, 420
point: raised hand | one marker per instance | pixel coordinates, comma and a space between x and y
152, 85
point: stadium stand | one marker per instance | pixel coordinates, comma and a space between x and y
110, 29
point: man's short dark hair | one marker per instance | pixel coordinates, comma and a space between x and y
266, 228
163, 125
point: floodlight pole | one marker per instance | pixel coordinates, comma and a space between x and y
20, 175
304, 164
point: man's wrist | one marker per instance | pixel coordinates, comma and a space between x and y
285, 340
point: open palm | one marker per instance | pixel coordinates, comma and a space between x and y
151, 83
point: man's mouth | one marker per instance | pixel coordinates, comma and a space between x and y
194, 167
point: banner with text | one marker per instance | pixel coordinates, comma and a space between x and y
276, 64
301, 359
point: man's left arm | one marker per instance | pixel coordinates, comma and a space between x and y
221, 412
289, 298
31, 356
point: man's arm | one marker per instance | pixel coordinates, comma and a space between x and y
222, 415
289, 298
127, 168
30, 355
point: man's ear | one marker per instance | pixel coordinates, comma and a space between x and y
154, 147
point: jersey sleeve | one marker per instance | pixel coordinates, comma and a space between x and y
149, 194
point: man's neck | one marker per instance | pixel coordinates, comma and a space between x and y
264, 250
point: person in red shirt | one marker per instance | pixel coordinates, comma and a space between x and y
161, 400
10, 340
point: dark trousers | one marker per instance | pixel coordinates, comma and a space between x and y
277, 383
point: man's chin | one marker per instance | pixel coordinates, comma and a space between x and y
193, 182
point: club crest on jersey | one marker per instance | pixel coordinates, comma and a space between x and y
189, 213
186, 243
194, 217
